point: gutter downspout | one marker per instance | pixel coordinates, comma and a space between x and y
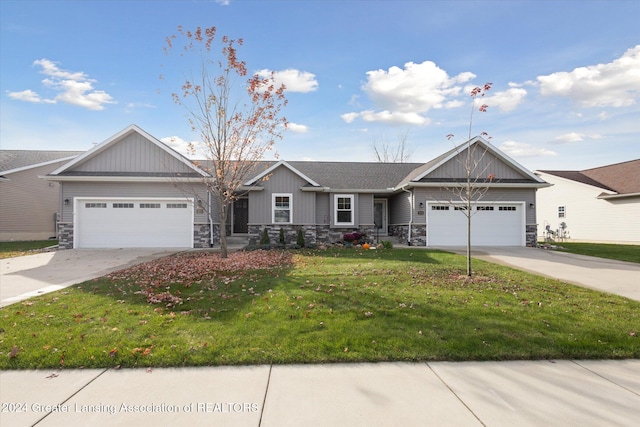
210, 220
410, 214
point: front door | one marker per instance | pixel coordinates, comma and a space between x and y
380, 216
241, 216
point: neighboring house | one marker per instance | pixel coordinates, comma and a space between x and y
133, 190
28, 205
595, 205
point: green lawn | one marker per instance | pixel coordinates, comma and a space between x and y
319, 306
13, 249
630, 253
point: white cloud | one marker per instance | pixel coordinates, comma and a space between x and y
522, 149
73, 88
297, 128
404, 95
30, 96
505, 101
615, 84
571, 137
187, 149
391, 117
293, 80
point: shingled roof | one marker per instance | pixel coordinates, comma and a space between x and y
11, 160
621, 178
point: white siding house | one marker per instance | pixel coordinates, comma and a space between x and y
594, 205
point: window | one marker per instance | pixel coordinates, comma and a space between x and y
343, 209
123, 205
281, 212
561, 211
95, 205
461, 208
484, 208
507, 208
150, 205
176, 206
439, 208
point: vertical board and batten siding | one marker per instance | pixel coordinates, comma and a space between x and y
130, 190
487, 164
133, 154
282, 180
29, 205
587, 217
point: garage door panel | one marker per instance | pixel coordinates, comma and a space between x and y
491, 225
134, 223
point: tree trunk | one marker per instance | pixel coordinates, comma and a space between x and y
222, 202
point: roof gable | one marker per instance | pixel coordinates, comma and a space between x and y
130, 152
275, 166
489, 159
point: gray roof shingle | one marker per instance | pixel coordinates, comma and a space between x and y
15, 159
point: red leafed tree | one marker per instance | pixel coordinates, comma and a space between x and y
237, 126
477, 176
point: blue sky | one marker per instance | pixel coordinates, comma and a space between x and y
565, 74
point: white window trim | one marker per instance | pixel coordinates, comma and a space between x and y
273, 207
335, 209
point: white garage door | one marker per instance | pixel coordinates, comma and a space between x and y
129, 223
499, 224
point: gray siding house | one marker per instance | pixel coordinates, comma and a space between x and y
134, 191
28, 205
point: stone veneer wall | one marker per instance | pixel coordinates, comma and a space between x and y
65, 235
313, 234
531, 235
418, 234
290, 233
201, 236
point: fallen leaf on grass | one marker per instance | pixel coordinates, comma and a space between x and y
14, 352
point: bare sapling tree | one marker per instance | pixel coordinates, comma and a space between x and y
236, 126
385, 152
476, 170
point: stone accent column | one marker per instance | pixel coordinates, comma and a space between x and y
65, 235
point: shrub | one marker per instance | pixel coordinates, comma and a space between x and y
264, 240
300, 239
282, 239
387, 244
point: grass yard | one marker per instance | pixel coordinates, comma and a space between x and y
13, 249
630, 253
315, 307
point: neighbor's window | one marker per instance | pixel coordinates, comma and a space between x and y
561, 212
281, 211
343, 209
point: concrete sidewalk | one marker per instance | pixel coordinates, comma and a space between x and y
521, 393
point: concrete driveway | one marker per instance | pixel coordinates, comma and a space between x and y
32, 275
616, 277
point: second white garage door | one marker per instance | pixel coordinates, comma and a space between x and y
499, 224
133, 223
